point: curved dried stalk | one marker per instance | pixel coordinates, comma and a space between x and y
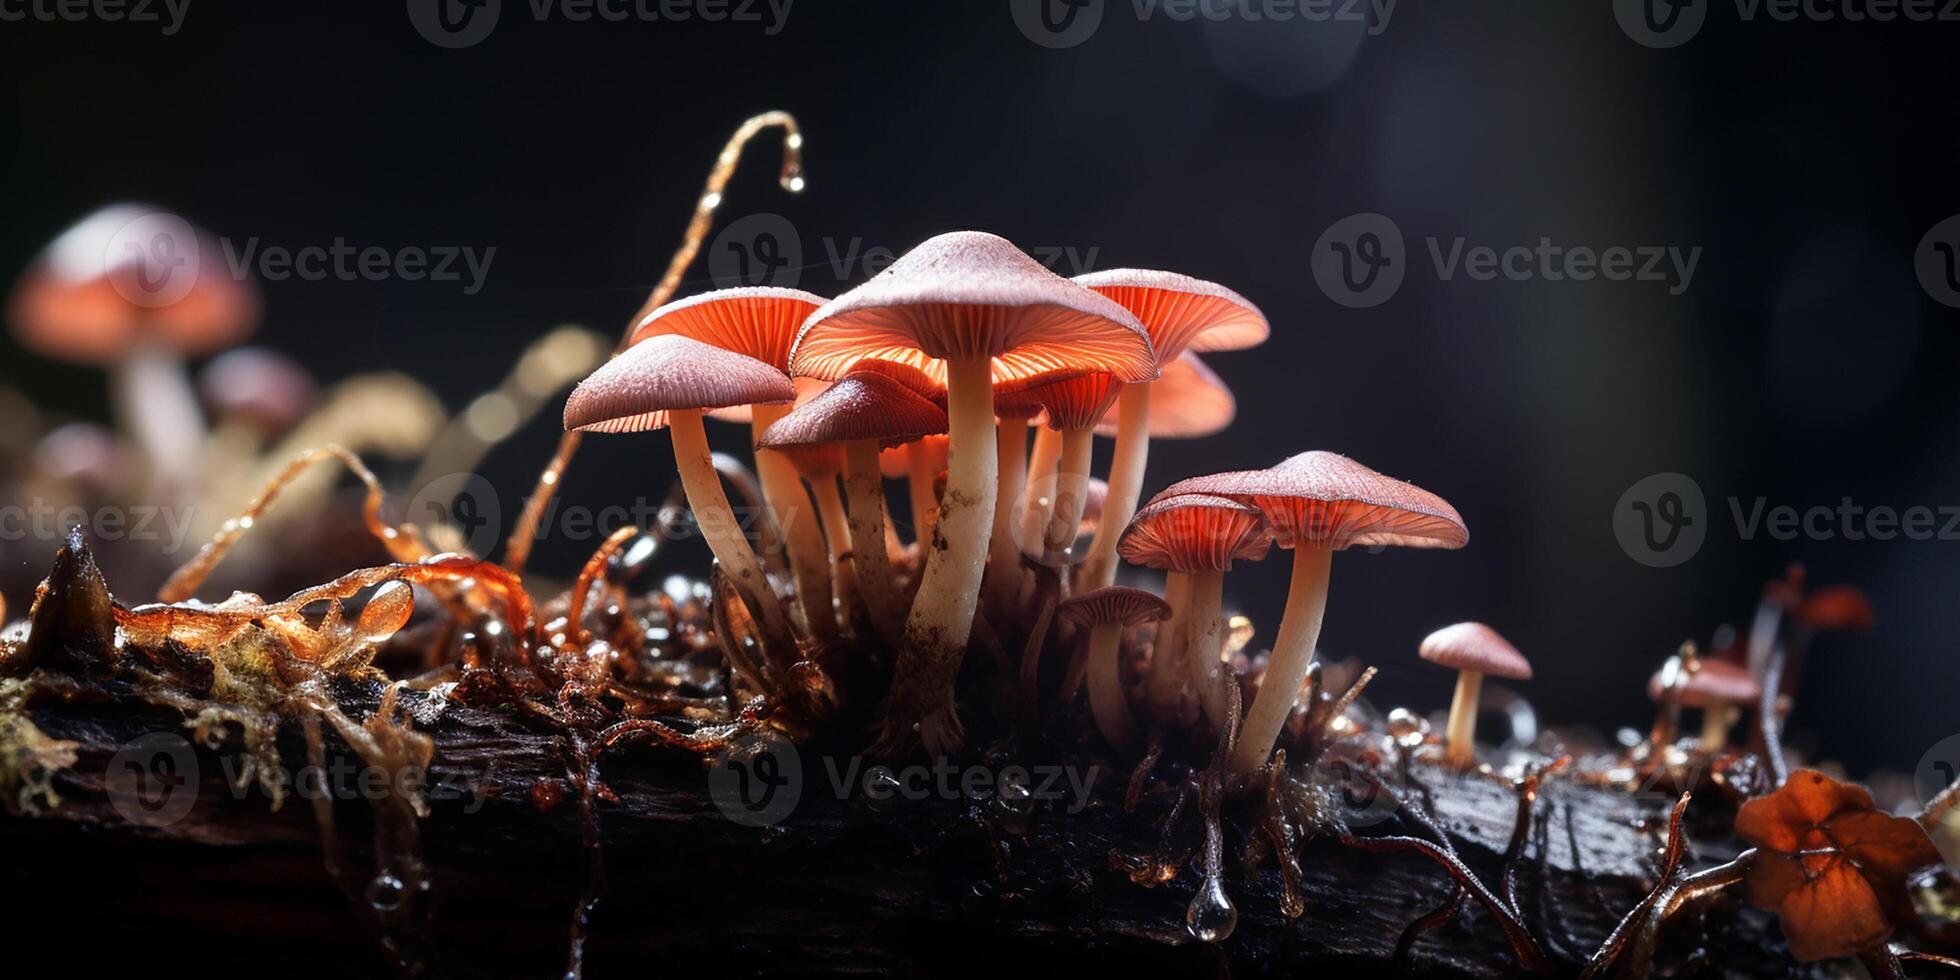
517, 548
1624, 932
595, 566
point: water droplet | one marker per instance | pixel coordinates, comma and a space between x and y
1013, 803
385, 892
1211, 917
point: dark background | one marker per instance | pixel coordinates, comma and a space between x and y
1803, 364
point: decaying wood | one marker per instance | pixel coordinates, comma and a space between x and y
843, 886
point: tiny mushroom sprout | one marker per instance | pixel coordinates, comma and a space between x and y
1318, 503
136, 290
761, 322
1194, 538
865, 409
1181, 313
668, 381
1716, 687
974, 309
1472, 650
1106, 613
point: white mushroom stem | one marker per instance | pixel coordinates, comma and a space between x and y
723, 530
1071, 493
1107, 701
155, 403
867, 523
1299, 630
1125, 486
1715, 721
1460, 738
1167, 675
942, 614
789, 508
919, 477
1003, 555
836, 530
1039, 498
1204, 641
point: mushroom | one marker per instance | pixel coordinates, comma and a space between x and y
1073, 402
1106, 613
1472, 650
255, 394
1194, 538
761, 322
974, 309
137, 290
1188, 401
1716, 688
860, 411
1180, 313
667, 382
1318, 503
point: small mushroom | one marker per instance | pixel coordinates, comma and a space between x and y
136, 290
1106, 613
667, 382
1194, 538
1716, 687
1318, 503
1180, 313
974, 309
1472, 650
761, 322
861, 411
255, 395
1073, 402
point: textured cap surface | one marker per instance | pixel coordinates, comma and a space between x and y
635, 391
1180, 312
863, 405
760, 321
1328, 499
1113, 604
1718, 681
1194, 532
1187, 401
971, 294
1474, 646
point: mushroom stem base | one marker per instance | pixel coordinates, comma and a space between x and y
1299, 630
1461, 736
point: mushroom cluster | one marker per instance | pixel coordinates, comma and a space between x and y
951, 357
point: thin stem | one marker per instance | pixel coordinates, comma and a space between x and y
936, 633
1167, 674
1071, 493
866, 488
919, 477
1003, 555
1299, 630
1125, 486
836, 531
1204, 641
723, 531
1107, 701
1461, 736
1039, 498
789, 509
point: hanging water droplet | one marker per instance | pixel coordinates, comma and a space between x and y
385, 892
881, 788
1211, 917
1013, 802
